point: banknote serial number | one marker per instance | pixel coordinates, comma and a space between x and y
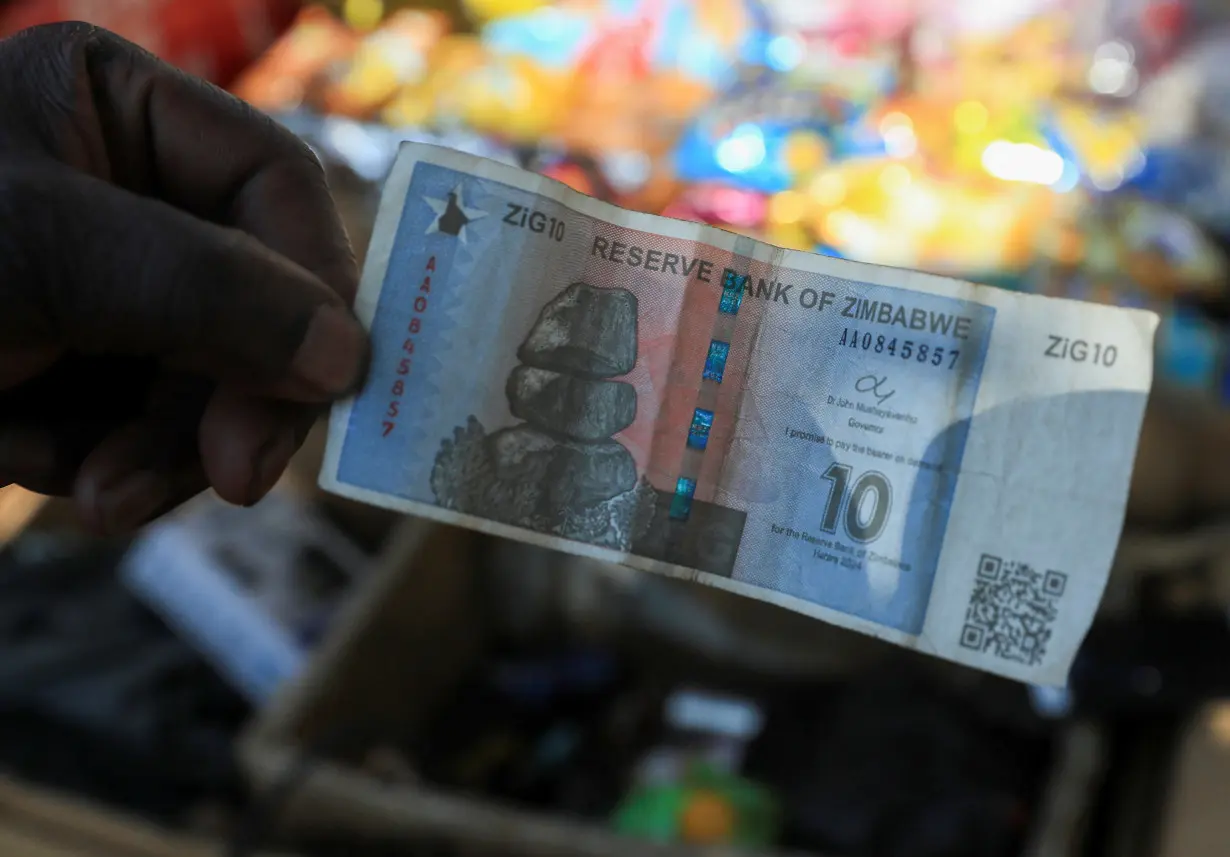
405, 355
527, 218
902, 349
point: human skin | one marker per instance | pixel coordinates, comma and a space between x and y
175, 283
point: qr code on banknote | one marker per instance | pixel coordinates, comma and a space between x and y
1012, 610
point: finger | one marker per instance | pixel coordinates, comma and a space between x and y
49, 424
47, 459
150, 464
246, 443
135, 121
91, 266
29, 457
20, 365
121, 485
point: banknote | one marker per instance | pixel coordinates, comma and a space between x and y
940, 464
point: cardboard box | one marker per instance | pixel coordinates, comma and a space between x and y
1195, 822
39, 823
399, 651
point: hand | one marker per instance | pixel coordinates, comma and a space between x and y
174, 283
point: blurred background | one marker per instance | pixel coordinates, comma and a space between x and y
309, 677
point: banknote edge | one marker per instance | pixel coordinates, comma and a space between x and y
381, 245
375, 269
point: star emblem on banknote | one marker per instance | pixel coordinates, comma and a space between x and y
452, 214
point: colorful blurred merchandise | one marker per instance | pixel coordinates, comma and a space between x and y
1189, 100
1014, 142
640, 181
689, 787
848, 26
484, 11
323, 64
366, 15
513, 97
279, 81
581, 173
436, 99
770, 133
625, 75
737, 209
705, 807
630, 116
1155, 30
1193, 179
963, 140
630, 179
1191, 351
1104, 145
1186, 112
762, 135
1129, 252
1024, 65
393, 56
901, 214
618, 41
1166, 253
213, 39
1139, 247
851, 48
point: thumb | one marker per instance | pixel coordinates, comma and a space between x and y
91, 267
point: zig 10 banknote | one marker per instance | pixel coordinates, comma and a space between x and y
939, 464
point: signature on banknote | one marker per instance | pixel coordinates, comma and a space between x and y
875, 385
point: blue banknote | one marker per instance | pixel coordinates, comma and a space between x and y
939, 464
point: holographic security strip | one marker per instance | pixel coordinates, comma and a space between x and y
698, 433
724, 323
715, 362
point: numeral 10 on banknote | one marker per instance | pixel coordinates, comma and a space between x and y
866, 504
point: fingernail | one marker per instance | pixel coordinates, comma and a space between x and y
24, 451
332, 354
271, 461
132, 500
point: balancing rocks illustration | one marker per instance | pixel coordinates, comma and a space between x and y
559, 471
